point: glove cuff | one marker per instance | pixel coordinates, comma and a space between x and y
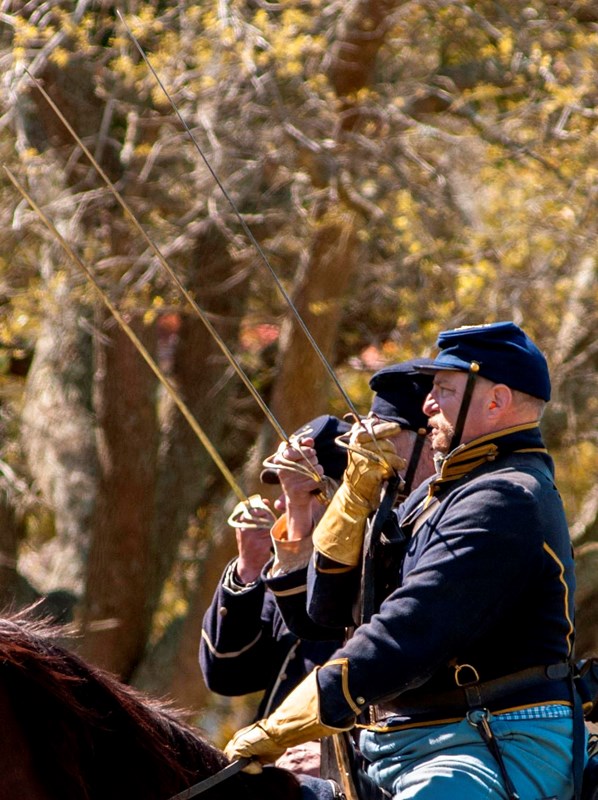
339, 534
297, 719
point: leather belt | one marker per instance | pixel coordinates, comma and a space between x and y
457, 702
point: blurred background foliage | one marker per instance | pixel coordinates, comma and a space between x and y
405, 166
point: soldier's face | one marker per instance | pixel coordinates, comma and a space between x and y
443, 404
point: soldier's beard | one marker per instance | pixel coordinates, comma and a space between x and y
442, 434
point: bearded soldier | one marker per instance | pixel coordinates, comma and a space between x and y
460, 681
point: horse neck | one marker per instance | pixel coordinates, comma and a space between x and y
17, 768
73, 732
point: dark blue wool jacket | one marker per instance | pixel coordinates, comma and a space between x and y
246, 647
487, 581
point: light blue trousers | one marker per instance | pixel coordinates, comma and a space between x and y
439, 762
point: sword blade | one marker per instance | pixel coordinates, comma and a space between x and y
166, 266
213, 780
196, 427
244, 225
162, 260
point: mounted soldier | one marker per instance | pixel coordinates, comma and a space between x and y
461, 682
245, 645
399, 393
337, 598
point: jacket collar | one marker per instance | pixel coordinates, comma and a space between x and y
471, 455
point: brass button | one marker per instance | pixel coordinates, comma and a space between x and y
360, 701
222, 611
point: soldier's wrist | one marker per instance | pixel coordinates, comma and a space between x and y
236, 581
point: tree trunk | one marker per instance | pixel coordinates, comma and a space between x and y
11, 534
303, 386
360, 34
58, 438
188, 476
115, 615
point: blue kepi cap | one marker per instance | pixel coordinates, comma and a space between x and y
400, 391
503, 352
324, 431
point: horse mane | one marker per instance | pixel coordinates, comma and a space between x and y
85, 727
91, 737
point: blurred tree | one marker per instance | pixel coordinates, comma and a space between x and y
406, 166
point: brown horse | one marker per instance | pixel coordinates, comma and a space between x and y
71, 731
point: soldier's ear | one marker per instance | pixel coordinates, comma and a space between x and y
499, 400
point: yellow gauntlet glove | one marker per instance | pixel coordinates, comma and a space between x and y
296, 720
372, 459
339, 534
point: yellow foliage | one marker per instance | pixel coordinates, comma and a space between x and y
321, 308
145, 21
227, 36
563, 96
470, 285
150, 316
24, 32
88, 22
143, 149
401, 222
261, 19
505, 46
172, 606
158, 97
318, 83
29, 154
264, 59
209, 18
404, 200
203, 50
576, 468
290, 69
124, 66
60, 56
295, 20
484, 91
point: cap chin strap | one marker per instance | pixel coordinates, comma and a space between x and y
474, 368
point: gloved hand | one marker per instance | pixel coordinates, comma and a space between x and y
296, 720
372, 459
